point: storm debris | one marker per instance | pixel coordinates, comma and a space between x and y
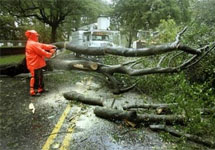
81, 98
31, 107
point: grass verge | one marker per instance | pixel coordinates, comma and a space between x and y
11, 59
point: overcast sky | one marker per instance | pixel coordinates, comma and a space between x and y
108, 1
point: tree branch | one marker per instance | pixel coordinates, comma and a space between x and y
178, 36
136, 72
128, 52
161, 60
131, 52
205, 54
170, 60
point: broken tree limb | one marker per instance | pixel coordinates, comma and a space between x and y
169, 119
126, 69
166, 107
114, 114
116, 85
191, 137
81, 98
160, 108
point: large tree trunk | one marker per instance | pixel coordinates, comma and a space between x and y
130, 38
54, 33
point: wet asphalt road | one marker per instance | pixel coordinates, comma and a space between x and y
20, 129
58, 124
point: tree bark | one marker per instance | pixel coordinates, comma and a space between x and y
81, 98
70, 64
160, 108
128, 52
148, 106
114, 114
54, 32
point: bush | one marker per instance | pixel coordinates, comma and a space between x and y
192, 99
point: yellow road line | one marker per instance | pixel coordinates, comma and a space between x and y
56, 129
67, 139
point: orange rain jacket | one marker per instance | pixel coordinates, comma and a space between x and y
36, 52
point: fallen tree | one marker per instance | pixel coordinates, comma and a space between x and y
134, 67
130, 68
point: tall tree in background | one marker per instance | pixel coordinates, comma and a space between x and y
7, 27
92, 9
13, 28
51, 12
145, 14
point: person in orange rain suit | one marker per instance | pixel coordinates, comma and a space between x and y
35, 58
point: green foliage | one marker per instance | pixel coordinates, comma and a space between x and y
203, 12
203, 71
193, 89
167, 30
134, 15
199, 36
53, 12
111, 60
7, 27
192, 99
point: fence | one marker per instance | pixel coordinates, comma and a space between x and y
12, 47
10, 43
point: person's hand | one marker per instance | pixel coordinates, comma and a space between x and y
54, 47
52, 51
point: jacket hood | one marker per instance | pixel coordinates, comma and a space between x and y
32, 35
